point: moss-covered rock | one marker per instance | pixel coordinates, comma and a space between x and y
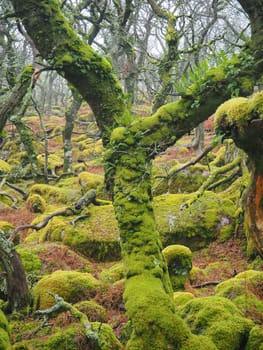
36, 203
73, 337
89, 180
49, 193
186, 181
73, 286
97, 236
181, 298
4, 333
113, 274
245, 290
179, 261
219, 319
194, 226
93, 310
255, 340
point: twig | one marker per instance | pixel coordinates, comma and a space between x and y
211, 283
19, 190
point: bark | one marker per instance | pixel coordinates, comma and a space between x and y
70, 115
17, 289
130, 149
245, 127
16, 96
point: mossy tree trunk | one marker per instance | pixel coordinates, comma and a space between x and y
16, 96
129, 151
70, 115
241, 119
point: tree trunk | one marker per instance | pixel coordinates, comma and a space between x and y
10, 262
16, 96
69, 125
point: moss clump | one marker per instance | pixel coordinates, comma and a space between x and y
36, 203
71, 285
181, 298
219, 319
255, 340
198, 342
54, 161
48, 192
97, 236
194, 226
7, 227
93, 310
73, 338
31, 262
245, 290
89, 180
179, 261
113, 274
54, 231
4, 333
238, 112
4, 167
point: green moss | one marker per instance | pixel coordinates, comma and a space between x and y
196, 273
7, 227
48, 192
30, 260
4, 333
255, 340
4, 167
219, 319
179, 261
97, 236
93, 310
198, 342
194, 226
71, 285
181, 298
90, 181
36, 203
245, 291
54, 231
155, 324
113, 274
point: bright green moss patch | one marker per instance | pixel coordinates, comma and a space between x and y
93, 310
7, 227
30, 259
4, 333
154, 323
181, 298
71, 285
113, 274
36, 203
198, 342
4, 167
245, 290
219, 319
90, 181
179, 261
194, 226
97, 236
48, 192
255, 340
238, 112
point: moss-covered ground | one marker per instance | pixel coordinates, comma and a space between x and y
81, 259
